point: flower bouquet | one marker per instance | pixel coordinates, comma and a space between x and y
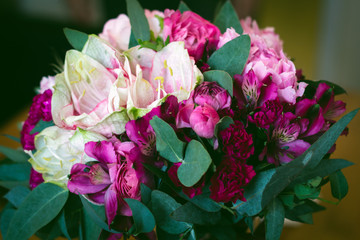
167, 126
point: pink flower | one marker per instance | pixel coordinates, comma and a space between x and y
212, 94
267, 114
237, 143
183, 116
203, 120
117, 32
229, 180
47, 83
35, 179
116, 176
189, 191
227, 36
196, 32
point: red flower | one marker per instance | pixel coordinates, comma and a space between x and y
229, 180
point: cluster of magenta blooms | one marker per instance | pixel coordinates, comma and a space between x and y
267, 131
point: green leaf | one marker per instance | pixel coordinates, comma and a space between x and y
224, 123
41, 206
96, 215
336, 88
16, 139
144, 220
220, 77
162, 206
15, 172
6, 216
50, 231
232, 56
204, 202
288, 200
138, 21
91, 230
283, 176
196, 163
274, 220
76, 38
253, 194
325, 168
339, 185
41, 125
183, 7
167, 143
12, 184
250, 223
304, 191
227, 17
62, 225
17, 195
15, 155
302, 213
132, 42
190, 213
327, 140
145, 194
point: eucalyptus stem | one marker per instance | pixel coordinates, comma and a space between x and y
227, 209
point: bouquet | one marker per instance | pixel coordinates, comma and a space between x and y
168, 126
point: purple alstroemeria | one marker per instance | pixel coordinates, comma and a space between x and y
117, 175
283, 144
325, 98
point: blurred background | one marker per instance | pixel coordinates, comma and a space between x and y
322, 36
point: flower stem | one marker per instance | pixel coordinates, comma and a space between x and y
328, 201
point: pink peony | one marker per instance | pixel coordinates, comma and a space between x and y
267, 114
229, 180
227, 36
237, 143
117, 32
212, 94
203, 120
196, 32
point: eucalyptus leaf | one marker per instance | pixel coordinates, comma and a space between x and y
204, 202
6, 216
196, 163
303, 191
76, 38
41, 206
162, 206
17, 195
253, 194
132, 42
183, 7
145, 194
227, 17
144, 220
95, 216
232, 56
12, 184
138, 21
167, 143
15, 172
91, 230
339, 185
190, 213
224, 123
274, 220
16, 139
303, 212
14, 155
62, 225
41, 125
220, 77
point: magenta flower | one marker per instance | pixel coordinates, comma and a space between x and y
267, 114
212, 94
35, 179
189, 191
325, 98
197, 33
203, 120
116, 176
283, 144
237, 143
229, 180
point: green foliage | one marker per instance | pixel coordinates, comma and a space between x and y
227, 17
183, 7
162, 206
339, 186
139, 24
14, 155
303, 211
232, 56
220, 77
274, 219
190, 213
224, 123
6, 216
144, 221
304, 191
76, 38
145, 194
38, 209
15, 172
17, 195
167, 143
311, 89
41, 125
197, 161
